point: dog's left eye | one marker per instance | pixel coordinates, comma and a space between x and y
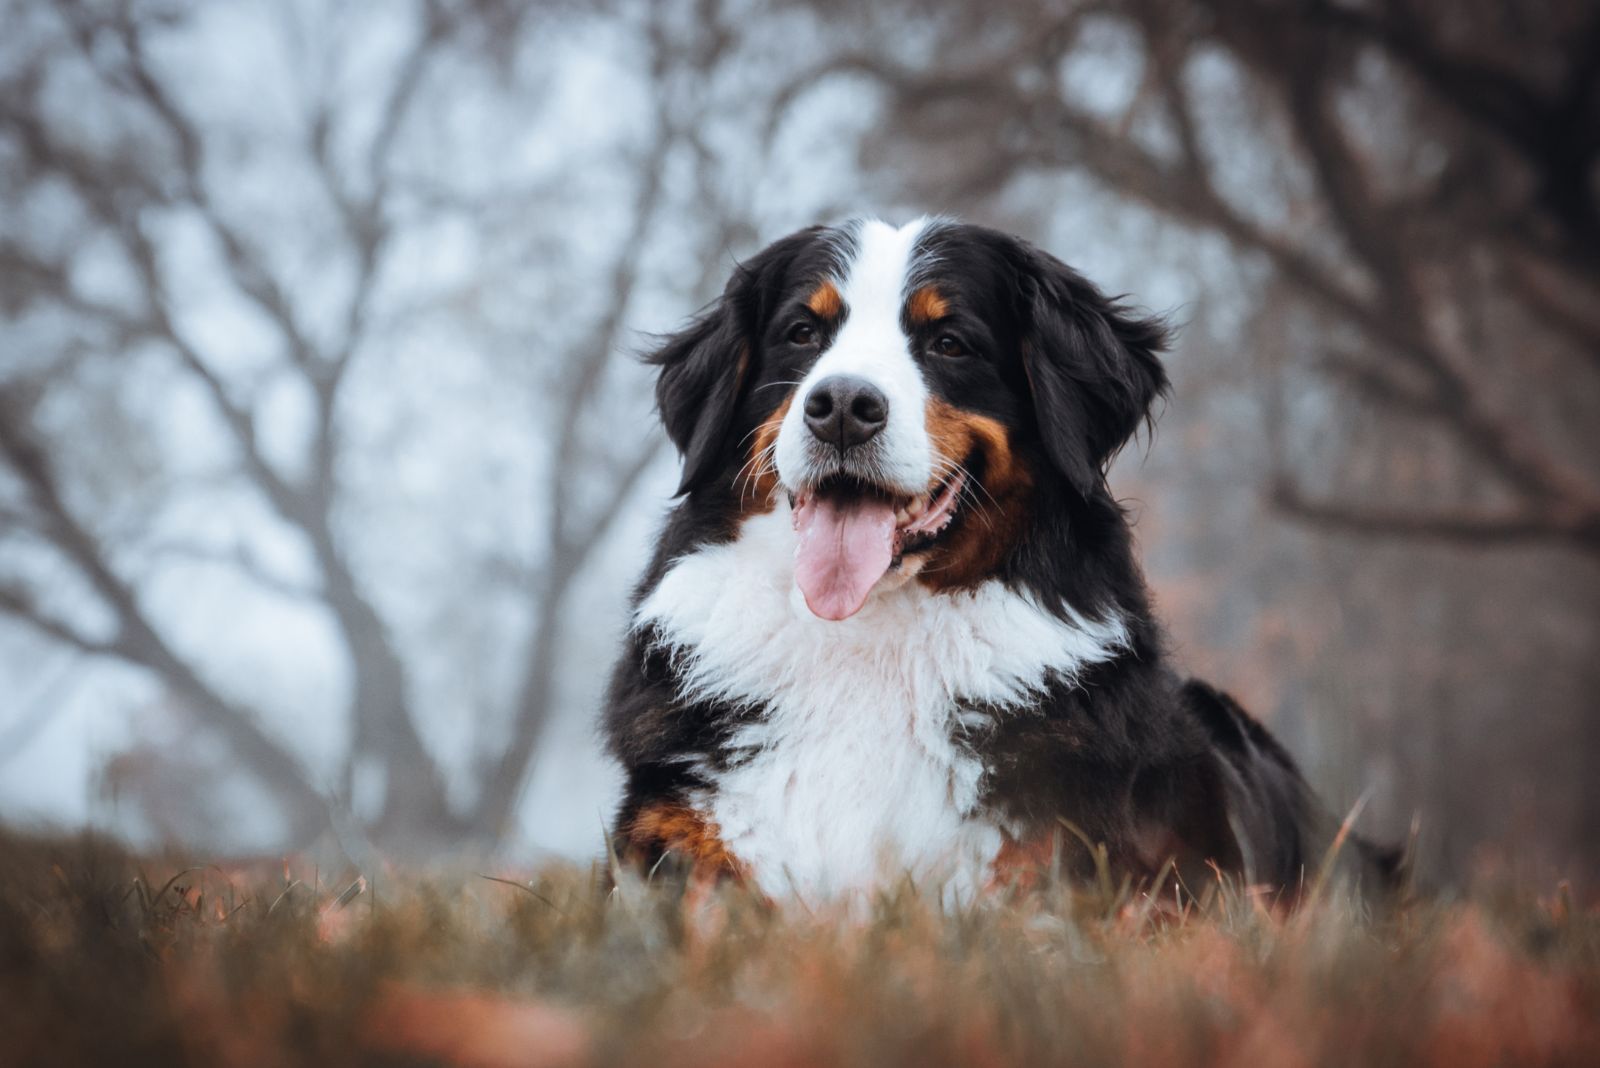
946, 345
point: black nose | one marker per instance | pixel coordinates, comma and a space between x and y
844, 410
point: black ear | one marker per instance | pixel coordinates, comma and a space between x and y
705, 367
698, 389
1094, 368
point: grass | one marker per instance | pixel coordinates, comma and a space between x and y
109, 959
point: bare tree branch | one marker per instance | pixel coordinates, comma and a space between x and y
237, 558
136, 640
384, 724
569, 549
1463, 527
1380, 384
367, 223
1556, 300
248, 270
19, 604
383, 719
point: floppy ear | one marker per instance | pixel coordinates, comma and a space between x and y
705, 366
702, 368
1093, 366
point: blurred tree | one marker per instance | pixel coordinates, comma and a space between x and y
269, 250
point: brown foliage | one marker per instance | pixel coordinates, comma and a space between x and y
108, 959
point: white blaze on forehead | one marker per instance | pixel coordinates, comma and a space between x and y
877, 277
871, 344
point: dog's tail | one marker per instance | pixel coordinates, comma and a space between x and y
1284, 835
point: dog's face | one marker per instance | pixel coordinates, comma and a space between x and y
906, 390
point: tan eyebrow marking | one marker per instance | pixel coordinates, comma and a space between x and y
826, 301
927, 305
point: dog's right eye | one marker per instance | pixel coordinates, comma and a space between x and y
802, 334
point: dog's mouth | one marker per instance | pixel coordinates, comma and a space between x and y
851, 532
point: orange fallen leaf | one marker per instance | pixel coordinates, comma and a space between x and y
474, 1029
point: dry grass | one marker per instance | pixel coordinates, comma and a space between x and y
107, 961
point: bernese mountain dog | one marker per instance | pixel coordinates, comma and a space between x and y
895, 624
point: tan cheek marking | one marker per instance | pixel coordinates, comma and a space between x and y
949, 430
1003, 469
927, 305
826, 301
974, 549
758, 480
676, 828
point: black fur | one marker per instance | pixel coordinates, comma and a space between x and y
1128, 754
705, 369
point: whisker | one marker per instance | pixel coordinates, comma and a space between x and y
770, 423
947, 469
768, 464
971, 481
979, 510
985, 490
739, 478
753, 469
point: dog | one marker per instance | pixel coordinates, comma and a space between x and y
895, 624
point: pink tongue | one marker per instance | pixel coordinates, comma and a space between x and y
845, 547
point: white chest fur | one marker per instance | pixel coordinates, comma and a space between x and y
854, 774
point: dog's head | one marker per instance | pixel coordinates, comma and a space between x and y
907, 391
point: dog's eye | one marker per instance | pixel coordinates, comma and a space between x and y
802, 334
946, 345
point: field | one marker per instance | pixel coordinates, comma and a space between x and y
109, 959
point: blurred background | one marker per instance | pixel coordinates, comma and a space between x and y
326, 463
